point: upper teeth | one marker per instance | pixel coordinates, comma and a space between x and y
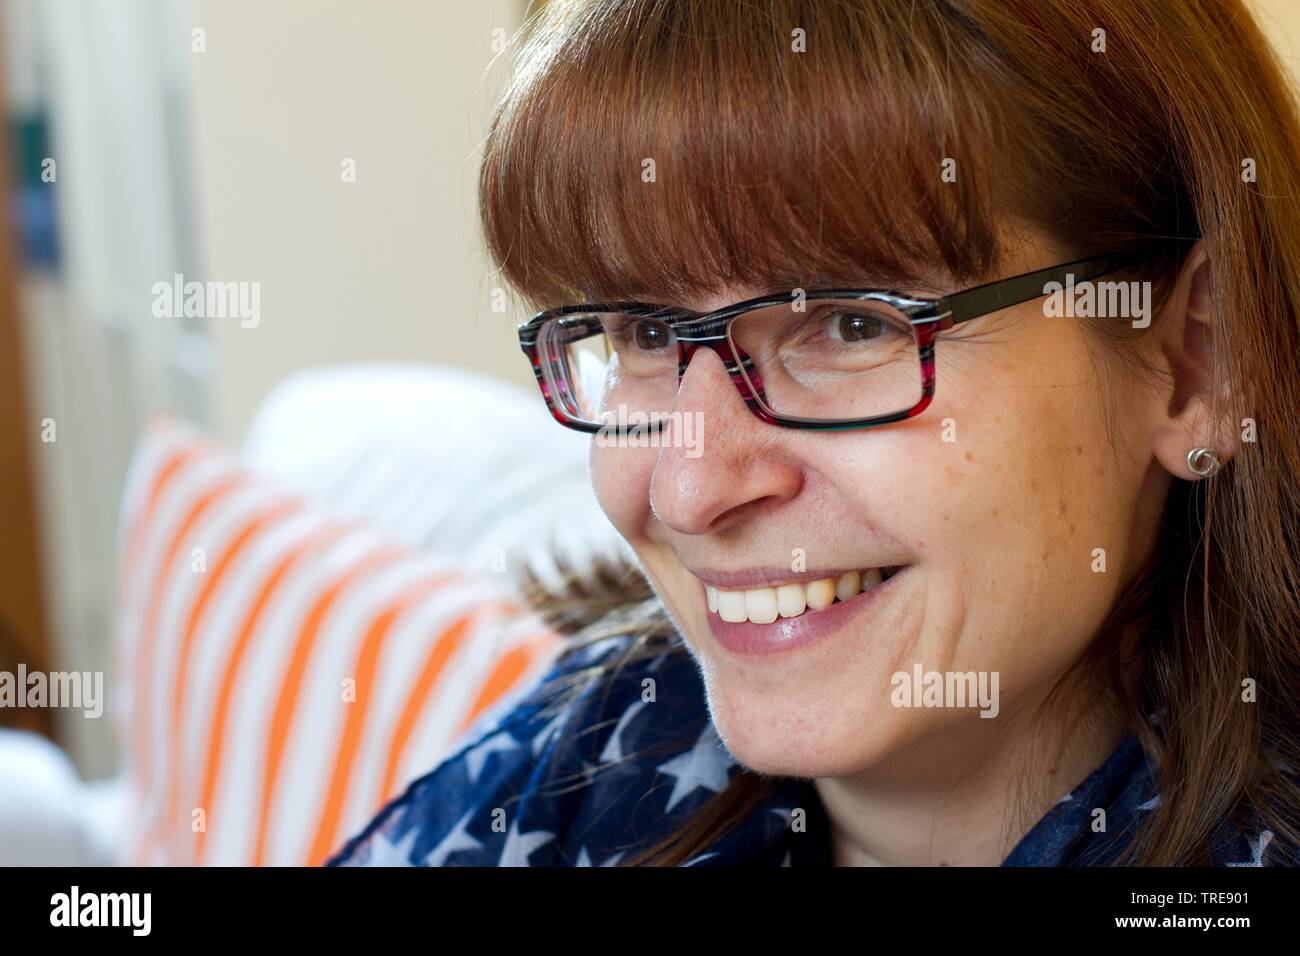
764, 605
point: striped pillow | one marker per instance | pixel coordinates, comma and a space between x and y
282, 672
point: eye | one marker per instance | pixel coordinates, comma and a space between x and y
850, 326
649, 335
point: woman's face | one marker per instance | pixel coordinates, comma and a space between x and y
998, 503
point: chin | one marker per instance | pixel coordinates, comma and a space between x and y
813, 733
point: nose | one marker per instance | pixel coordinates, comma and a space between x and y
740, 468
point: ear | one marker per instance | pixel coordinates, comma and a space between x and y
1185, 336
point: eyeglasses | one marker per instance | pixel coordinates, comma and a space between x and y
833, 359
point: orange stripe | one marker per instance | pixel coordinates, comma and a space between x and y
213, 580
291, 686
149, 636
226, 688
512, 666
327, 835
440, 652
138, 532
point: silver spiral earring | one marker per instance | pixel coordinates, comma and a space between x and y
1203, 462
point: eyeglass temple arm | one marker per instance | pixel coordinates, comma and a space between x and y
983, 299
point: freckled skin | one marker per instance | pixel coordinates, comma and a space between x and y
999, 527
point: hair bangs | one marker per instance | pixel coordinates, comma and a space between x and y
667, 150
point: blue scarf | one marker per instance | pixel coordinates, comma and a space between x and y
612, 773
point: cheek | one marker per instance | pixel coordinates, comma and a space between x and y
1029, 502
620, 478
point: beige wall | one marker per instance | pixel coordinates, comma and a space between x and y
388, 267
1280, 20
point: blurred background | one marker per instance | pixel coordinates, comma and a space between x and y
324, 149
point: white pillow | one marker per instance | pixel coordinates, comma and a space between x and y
441, 459
48, 817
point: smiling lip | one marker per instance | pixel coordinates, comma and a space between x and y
785, 634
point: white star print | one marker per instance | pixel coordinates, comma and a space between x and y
613, 752
458, 839
704, 765
476, 758
602, 647
585, 860
696, 859
1257, 848
589, 771
547, 732
383, 852
520, 846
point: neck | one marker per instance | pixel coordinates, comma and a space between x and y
965, 795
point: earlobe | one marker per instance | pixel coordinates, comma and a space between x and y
1195, 438
1203, 462
1193, 448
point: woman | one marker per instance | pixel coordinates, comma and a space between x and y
985, 549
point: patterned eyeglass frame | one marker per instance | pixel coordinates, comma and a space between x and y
928, 318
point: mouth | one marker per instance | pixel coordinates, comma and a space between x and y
763, 605
773, 617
